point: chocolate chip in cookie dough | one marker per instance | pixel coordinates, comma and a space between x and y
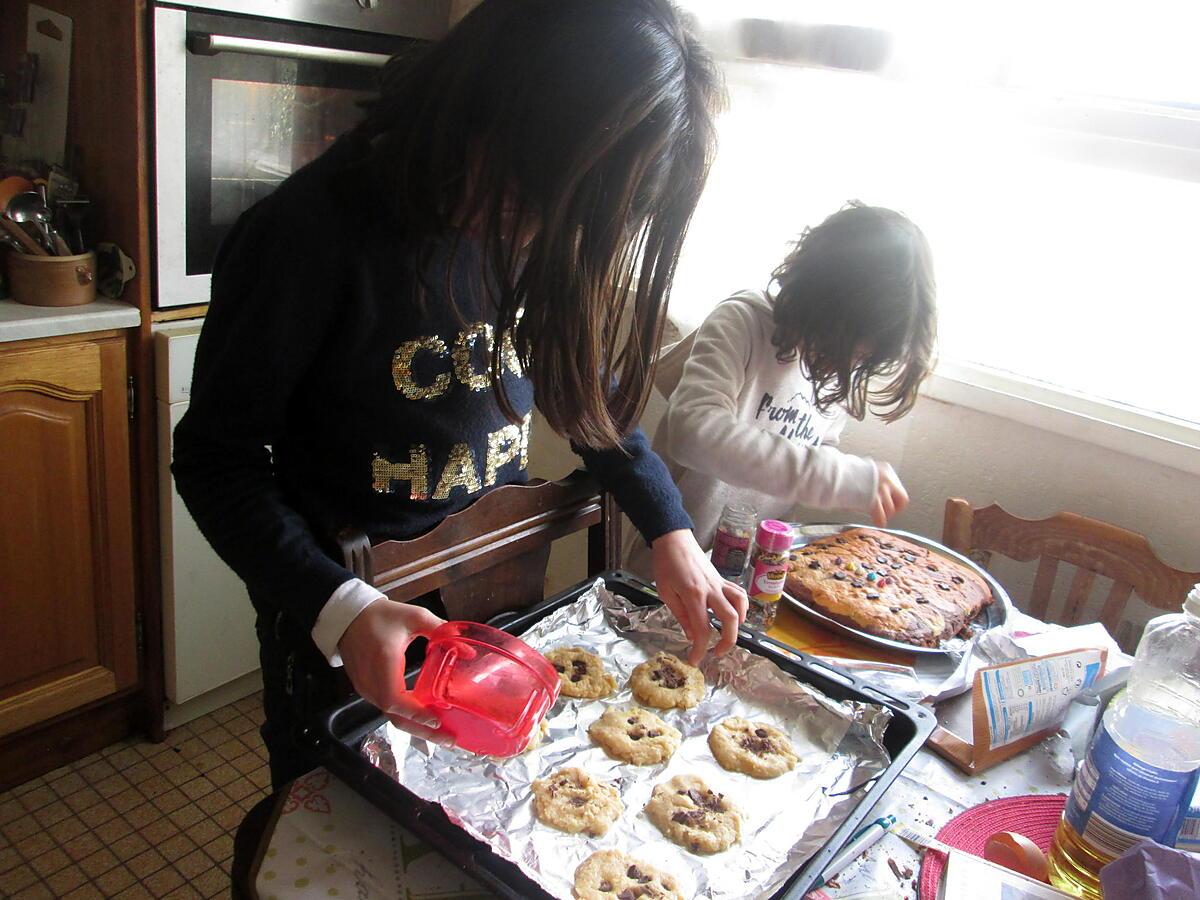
931, 568
922, 600
942, 586
689, 817
813, 564
606, 886
631, 721
669, 676
579, 668
759, 746
707, 800
558, 667
637, 734
655, 733
871, 595
957, 579
578, 801
637, 875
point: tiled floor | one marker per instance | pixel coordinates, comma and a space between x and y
138, 819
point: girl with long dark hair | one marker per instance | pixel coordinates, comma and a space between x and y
500, 232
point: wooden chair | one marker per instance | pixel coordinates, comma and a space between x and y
1095, 548
491, 557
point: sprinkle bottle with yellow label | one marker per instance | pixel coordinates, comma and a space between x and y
768, 572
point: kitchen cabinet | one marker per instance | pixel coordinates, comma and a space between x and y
67, 571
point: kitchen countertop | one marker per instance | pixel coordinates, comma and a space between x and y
21, 323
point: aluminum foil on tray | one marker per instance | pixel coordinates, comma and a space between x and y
784, 820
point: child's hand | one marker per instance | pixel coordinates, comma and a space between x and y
690, 587
372, 650
890, 496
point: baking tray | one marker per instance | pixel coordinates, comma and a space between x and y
989, 617
334, 738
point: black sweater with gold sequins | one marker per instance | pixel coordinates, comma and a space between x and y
324, 395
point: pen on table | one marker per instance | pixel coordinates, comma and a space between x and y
864, 839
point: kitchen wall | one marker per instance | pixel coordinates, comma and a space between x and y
944, 450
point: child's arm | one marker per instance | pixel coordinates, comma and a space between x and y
706, 433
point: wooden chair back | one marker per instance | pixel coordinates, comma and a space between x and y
491, 557
1094, 548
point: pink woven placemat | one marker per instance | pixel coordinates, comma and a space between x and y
1033, 815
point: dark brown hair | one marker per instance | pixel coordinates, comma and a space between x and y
586, 124
855, 302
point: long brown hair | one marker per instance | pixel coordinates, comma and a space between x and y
587, 126
855, 302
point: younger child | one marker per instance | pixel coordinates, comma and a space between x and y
847, 325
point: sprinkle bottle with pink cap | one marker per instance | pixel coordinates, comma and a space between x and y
768, 571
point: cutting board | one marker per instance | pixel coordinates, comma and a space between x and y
48, 34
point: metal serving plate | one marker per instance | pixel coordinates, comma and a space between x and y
989, 617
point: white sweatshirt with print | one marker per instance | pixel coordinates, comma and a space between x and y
741, 426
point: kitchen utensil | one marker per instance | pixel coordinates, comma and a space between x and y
10, 187
10, 242
18, 234
52, 280
489, 689
29, 207
989, 617
72, 214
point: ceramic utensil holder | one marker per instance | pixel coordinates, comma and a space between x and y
52, 280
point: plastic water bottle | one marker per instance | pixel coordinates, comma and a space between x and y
1144, 762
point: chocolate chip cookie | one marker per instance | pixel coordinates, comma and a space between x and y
635, 736
581, 673
667, 682
752, 748
611, 875
571, 800
691, 815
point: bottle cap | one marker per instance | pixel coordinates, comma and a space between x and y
774, 536
1192, 603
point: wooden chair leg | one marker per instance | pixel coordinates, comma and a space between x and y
604, 539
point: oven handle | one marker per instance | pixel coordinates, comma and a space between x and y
212, 44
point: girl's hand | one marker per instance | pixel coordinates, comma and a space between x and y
372, 650
690, 587
890, 495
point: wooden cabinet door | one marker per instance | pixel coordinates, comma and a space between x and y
67, 634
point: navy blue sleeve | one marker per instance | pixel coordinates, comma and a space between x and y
272, 306
639, 481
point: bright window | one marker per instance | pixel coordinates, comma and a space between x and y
1050, 152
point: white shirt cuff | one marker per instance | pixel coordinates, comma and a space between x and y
342, 608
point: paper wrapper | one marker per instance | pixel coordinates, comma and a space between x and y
784, 820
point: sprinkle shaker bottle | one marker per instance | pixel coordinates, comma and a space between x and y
768, 571
731, 546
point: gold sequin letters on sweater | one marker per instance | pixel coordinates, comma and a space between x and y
402, 374
385, 473
460, 472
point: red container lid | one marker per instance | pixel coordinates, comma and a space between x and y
774, 536
488, 688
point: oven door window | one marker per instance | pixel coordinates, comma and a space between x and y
258, 108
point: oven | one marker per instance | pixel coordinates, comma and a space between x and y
246, 92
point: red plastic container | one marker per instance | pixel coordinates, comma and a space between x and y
488, 688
